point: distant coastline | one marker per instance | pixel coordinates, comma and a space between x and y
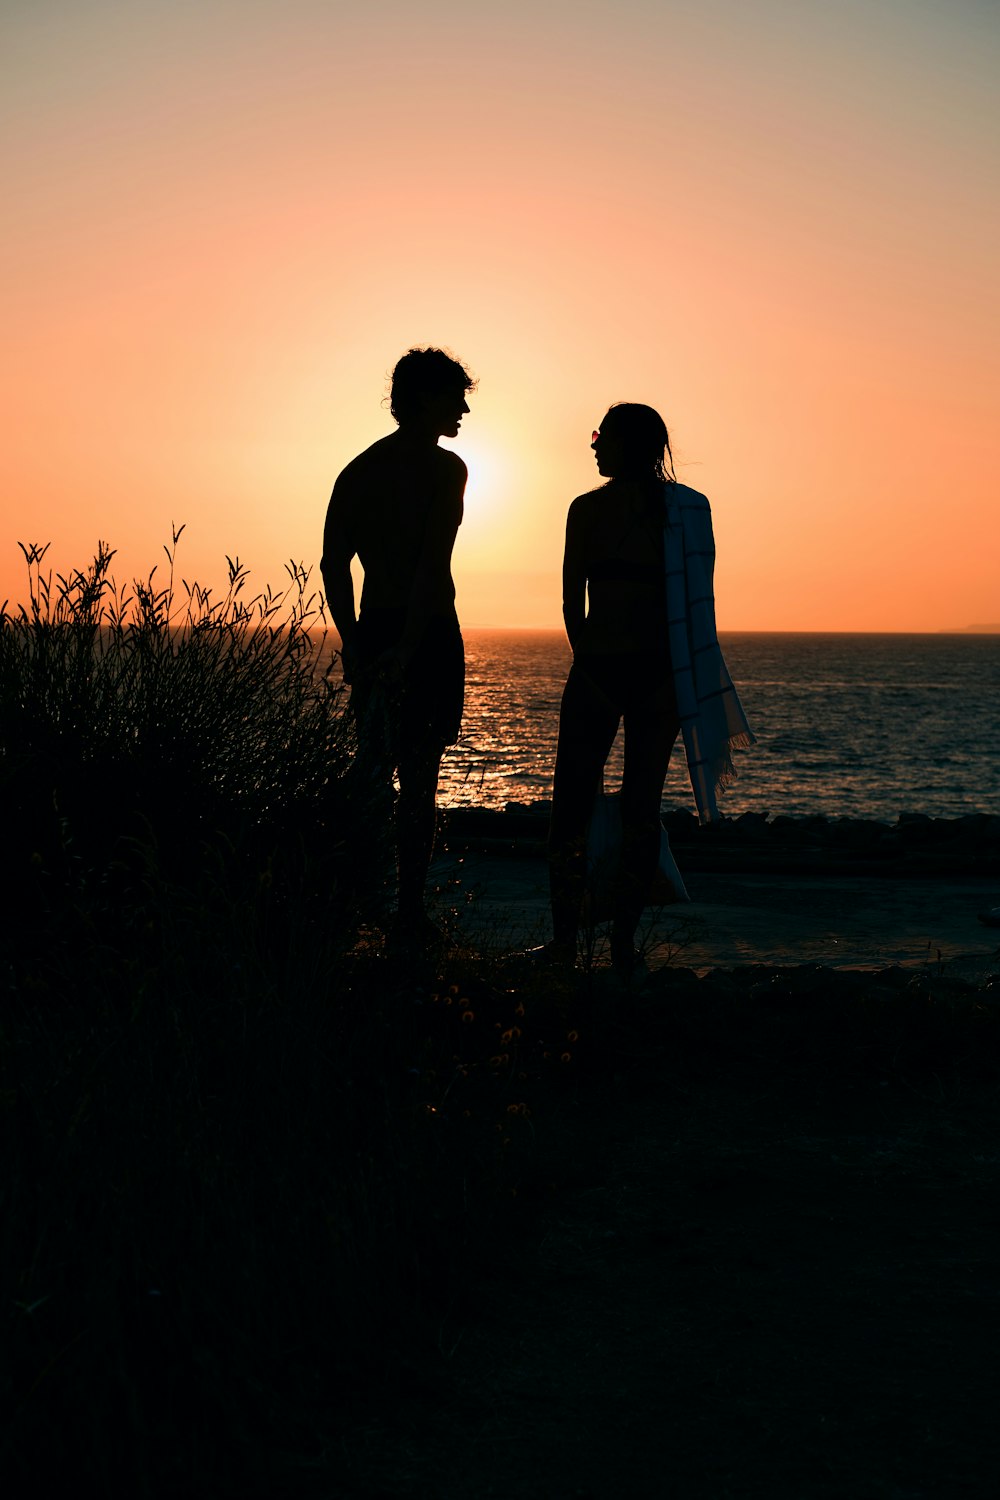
731, 630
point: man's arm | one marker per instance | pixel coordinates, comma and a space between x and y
574, 577
338, 585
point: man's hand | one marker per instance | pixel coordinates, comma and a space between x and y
390, 667
350, 663
387, 669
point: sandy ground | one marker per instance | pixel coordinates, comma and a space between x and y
841, 921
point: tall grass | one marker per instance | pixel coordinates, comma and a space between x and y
118, 701
225, 1196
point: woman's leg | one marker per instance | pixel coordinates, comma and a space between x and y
651, 729
588, 723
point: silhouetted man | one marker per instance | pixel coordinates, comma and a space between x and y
398, 507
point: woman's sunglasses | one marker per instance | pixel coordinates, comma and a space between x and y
595, 435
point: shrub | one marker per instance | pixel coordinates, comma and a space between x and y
201, 717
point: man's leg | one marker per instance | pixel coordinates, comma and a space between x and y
416, 819
430, 718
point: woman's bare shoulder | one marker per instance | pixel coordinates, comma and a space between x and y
588, 504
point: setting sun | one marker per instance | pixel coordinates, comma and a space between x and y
487, 491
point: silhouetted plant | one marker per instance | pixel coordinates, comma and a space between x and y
218, 699
160, 713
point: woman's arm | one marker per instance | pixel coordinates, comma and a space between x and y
574, 577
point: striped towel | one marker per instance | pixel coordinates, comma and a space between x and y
712, 719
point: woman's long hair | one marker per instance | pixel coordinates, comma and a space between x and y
644, 441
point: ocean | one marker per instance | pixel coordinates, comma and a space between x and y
861, 726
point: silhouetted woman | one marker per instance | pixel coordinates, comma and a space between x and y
640, 616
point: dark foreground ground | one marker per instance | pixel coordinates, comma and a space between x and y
754, 1251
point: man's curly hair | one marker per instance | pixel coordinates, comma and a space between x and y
425, 372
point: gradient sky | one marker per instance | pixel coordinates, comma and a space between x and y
774, 220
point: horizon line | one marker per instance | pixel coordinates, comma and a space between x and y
770, 630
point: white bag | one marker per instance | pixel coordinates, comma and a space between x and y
604, 842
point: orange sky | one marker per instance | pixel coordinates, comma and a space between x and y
776, 222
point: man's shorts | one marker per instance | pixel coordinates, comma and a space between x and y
428, 708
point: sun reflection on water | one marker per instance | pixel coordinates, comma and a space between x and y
513, 684
835, 719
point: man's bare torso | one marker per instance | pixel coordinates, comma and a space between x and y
397, 507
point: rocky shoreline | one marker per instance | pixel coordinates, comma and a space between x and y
915, 845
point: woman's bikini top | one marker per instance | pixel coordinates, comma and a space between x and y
624, 570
